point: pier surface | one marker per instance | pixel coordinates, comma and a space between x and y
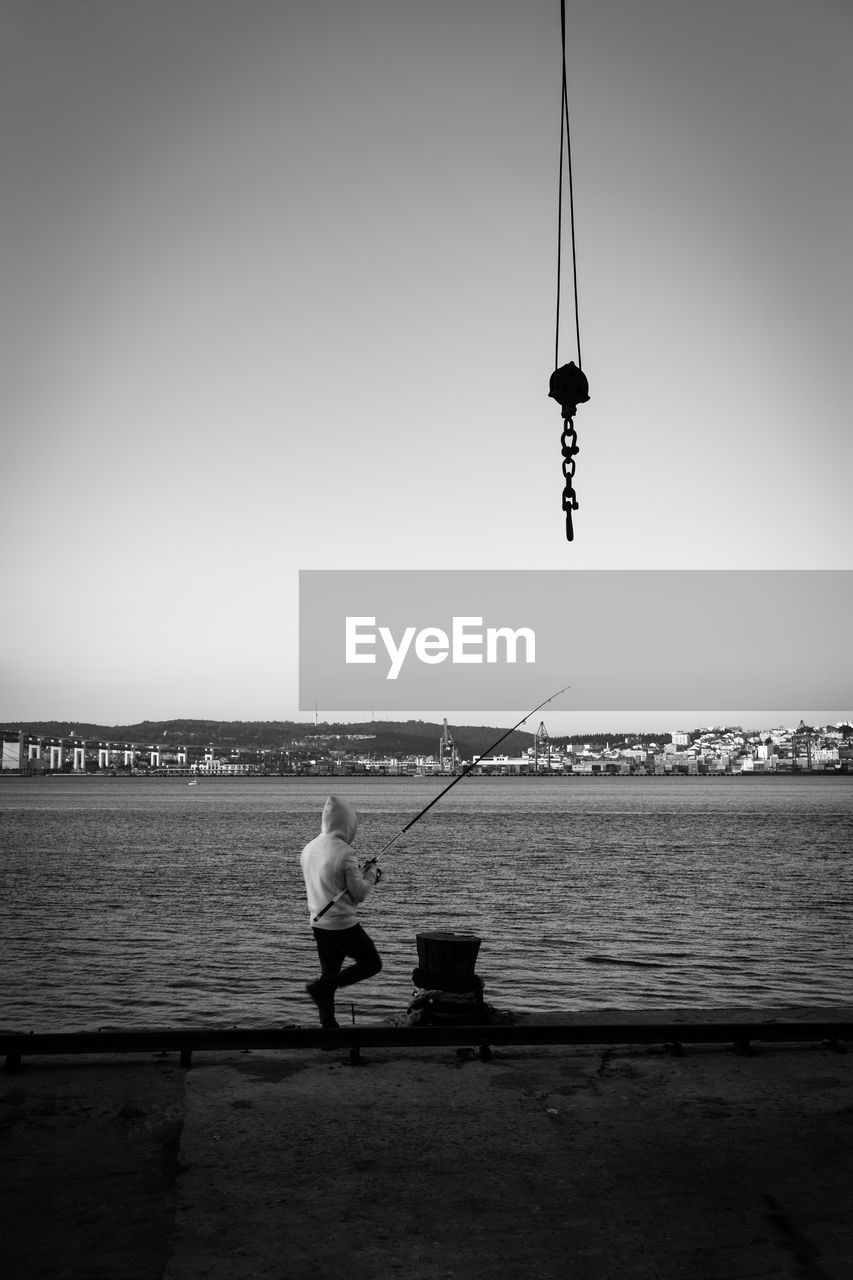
590, 1160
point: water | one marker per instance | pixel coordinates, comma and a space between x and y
134, 902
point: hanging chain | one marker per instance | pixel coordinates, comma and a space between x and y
570, 448
569, 387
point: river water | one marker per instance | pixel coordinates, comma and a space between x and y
138, 903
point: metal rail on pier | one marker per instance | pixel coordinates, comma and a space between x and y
186, 1042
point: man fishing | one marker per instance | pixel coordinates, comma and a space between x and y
334, 885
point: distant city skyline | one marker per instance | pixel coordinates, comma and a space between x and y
260, 750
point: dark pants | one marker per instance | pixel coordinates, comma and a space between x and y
336, 945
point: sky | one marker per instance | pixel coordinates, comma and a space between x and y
278, 294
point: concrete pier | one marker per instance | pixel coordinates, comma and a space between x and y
587, 1161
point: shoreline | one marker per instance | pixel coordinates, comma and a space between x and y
778, 774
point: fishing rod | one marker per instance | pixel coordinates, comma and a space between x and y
427, 807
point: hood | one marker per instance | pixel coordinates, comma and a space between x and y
339, 820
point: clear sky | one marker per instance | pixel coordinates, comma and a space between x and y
278, 294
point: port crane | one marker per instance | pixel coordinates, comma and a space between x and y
447, 754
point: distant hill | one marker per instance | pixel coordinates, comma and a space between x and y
414, 738
382, 737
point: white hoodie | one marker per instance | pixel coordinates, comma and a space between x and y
329, 865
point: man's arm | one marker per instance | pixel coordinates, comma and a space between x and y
358, 884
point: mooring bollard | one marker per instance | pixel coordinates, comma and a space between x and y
449, 989
447, 960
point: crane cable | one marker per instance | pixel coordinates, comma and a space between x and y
565, 149
568, 384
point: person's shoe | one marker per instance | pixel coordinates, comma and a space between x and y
323, 997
